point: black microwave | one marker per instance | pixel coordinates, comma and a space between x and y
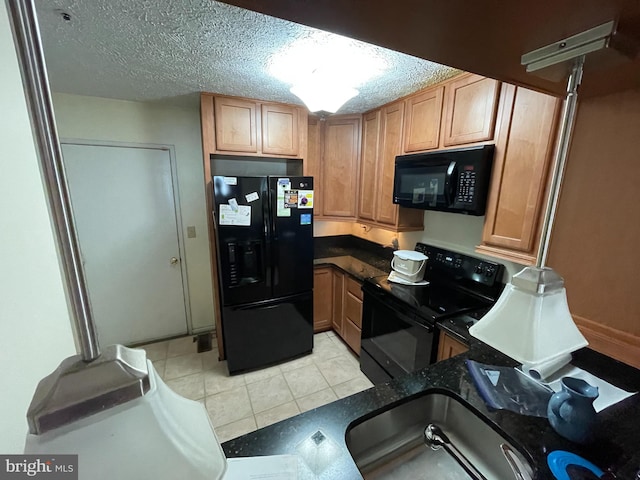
448, 180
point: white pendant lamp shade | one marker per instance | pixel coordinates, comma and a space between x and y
531, 322
328, 97
160, 436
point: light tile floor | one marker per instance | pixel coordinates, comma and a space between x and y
240, 404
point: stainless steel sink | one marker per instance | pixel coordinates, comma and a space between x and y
392, 444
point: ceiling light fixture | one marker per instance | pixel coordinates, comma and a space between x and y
325, 69
322, 96
531, 321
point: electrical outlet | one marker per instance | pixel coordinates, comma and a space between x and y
191, 232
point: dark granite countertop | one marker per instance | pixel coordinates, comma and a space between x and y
369, 253
615, 448
350, 265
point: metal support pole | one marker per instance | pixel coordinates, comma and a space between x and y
26, 35
564, 140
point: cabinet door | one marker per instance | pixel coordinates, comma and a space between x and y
391, 137
524, 154
311, 165
471, 105
353, 301
341, 160
338, 301
449, 347
236, 125
280, 130
369, 165
422, 120
352, 335
352, 321
322, 298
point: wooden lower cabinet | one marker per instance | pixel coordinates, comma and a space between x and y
337, 304
322, 299
337, 301
352, 314
449, 347
352, 335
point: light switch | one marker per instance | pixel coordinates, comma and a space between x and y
191, 232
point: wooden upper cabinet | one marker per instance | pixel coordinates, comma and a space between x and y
280, 130
470, 110
422, 120
381, 142
236, 125
341, 158
524, 153
391, 138
369, 165
312, 166
243, 126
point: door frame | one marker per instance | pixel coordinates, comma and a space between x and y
176, 203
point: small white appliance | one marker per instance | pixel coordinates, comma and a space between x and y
409, 265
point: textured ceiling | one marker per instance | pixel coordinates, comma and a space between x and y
159, 50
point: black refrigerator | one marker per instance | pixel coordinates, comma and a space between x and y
264, 236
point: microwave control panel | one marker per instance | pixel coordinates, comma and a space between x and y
466, 186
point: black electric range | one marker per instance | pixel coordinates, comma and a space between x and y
398, 321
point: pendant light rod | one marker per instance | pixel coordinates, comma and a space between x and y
562, 153
26, 35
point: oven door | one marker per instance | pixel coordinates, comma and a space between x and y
394, 341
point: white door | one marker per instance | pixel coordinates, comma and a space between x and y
125, 215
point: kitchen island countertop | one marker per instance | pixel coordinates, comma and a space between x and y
615, 448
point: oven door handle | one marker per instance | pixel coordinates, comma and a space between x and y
399, 309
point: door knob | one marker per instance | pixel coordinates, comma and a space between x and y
173, 260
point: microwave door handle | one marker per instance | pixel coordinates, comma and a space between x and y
450, 183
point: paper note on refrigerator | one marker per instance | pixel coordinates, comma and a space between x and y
284, 184
252, 197
305, 198
230, 216
291, 199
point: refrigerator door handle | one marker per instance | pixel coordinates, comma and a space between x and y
267, 238
274, 235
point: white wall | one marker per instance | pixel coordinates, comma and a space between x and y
92, 118
35, 327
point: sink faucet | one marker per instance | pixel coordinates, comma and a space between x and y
435, 438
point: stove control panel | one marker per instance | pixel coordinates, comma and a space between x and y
452, 266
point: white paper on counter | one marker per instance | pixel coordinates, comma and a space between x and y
240, 218
272, 467
608, 394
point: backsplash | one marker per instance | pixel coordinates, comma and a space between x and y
460, 233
